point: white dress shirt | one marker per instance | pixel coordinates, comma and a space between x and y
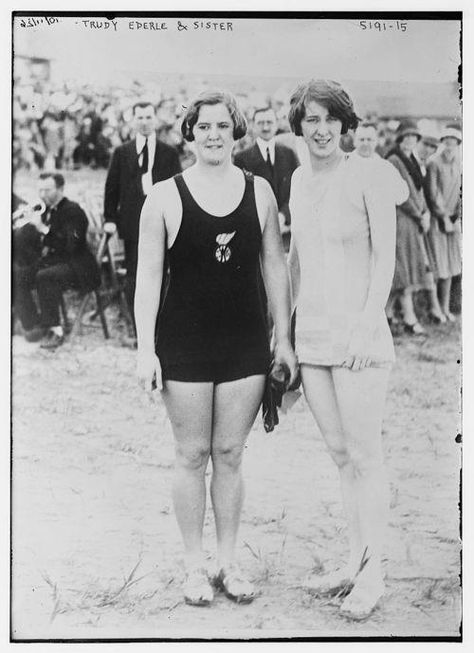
267, 145
147, 181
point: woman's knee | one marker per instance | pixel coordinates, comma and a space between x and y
340, 453
227, 455
192, 457
365, 461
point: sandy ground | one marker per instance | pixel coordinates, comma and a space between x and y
97, 554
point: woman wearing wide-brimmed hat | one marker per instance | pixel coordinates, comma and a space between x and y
443, 194
412, 264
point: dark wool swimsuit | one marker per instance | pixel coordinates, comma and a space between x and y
212, 326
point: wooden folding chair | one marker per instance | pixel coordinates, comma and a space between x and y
105, 293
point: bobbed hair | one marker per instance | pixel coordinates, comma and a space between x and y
330, 95
211, 98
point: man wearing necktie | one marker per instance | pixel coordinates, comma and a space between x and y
50, 254
134, 168
271, 160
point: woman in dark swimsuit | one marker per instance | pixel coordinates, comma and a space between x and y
211, 353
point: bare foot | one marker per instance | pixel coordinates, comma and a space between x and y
364, 597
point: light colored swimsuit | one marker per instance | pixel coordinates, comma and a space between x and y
331, 232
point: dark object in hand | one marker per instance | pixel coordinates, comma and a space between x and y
275, 387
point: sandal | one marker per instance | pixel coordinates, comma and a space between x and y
232, 583
197, 589
362, 601
414, 329
329, 584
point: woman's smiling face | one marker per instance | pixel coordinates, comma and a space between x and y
214, 133
321, 130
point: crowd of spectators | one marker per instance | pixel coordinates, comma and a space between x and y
70, 126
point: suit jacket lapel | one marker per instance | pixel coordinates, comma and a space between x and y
156, 162
132, 156
257, 155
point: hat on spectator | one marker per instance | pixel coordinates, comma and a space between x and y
431, 141
451, 131
407, 128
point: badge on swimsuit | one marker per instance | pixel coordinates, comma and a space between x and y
223, 251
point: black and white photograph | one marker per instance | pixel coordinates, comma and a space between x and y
236, 326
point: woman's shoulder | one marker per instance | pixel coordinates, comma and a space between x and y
393, 158
366, 175
297, 180
262, 187
163, 195
360, 170
297, 174
164, 188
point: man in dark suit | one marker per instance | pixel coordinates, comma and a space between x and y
51, 254
273, 161
134, 168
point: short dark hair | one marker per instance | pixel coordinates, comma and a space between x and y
367, 124
57, 176
262, 109
143, 104
330, 95
211, 98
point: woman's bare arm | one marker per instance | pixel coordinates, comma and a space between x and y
275, 275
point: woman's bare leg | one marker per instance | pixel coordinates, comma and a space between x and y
320, 394
236, 404
361, 401
189, 407
444, 286
408, 310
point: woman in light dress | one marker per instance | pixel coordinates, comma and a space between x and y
341, 261
443, 195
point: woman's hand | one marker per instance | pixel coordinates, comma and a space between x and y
425, 222
149, 371
285, 359
448, 226
359, 346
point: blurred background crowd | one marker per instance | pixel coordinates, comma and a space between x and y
74, 127
70, 126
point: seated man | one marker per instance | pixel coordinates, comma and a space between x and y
51, 254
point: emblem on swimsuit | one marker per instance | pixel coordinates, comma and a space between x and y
223, 251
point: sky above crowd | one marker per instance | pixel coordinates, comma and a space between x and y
94, 48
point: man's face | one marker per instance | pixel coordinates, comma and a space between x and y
144, 120
365, 141
265, 124
48, 191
